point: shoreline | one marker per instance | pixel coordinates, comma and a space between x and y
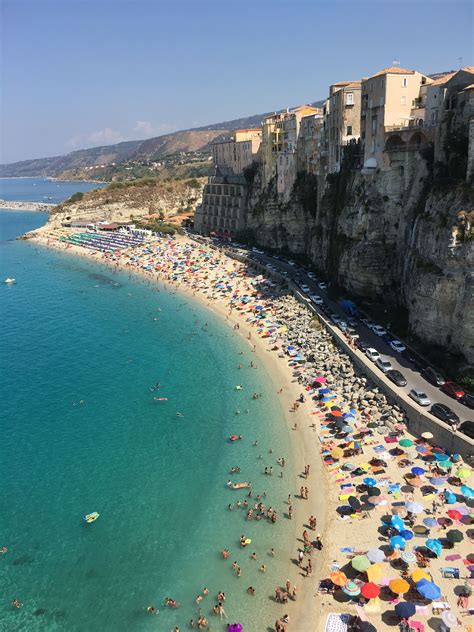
311, 444
32, 207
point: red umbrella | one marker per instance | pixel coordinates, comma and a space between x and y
336, 413
454, 514
370, 590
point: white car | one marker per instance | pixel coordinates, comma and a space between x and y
311, 275
335, 319
305, 289
291, 263
397, 346
383, 364
322, 285
420, 397
372, 354
317, 300
378, 330
342, 325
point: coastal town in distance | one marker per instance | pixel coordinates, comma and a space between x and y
238, 360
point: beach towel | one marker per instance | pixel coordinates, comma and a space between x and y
337, 622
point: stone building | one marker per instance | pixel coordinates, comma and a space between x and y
232, 155
222, 210
342, 120
309, 143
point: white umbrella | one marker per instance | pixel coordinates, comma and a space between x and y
414, 508
376, 555
449, 619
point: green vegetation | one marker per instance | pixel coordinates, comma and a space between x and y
193, 183
76, 197
159, 226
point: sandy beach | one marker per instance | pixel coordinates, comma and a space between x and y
356, 446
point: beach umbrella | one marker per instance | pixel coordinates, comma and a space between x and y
324, 391
348, 466
454, 514
449, 619
414, 508
338, 578
397, 522
414, 481
463, 472
417, 471
445, 465
420, 529
428, 589
337, 453
360, 563
399, 586
421, 449
426, 435
346, 429
374, 573
235, 627
370, 482
397, 542
438, 480
449, 498
336, 413
354, 503
466, 491
365, 626
320, 379
406, 534
454, 535
408, 557
376, 500
351, 589
419, 574
462, 510
374, 491
376, 555
430, 522
434, 545
370, 590
406, 443
405, 609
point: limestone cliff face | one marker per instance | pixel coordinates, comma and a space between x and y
387, 237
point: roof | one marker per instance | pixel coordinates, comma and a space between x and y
440, 80
250, 129
393, 70
471, 87
355, 83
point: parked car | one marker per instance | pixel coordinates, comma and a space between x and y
325, 308
362, 345
352, 333
383, 364
378, 330
420, 397
342, 325
468, 400
444, 413
452, 389
352, 322
367, 322
433, 376
467, 428
322, 285
397, 346
317, 300
311, 275
305, 289
335, 319
372, 354
396, 377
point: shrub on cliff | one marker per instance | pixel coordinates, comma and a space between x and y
77, 197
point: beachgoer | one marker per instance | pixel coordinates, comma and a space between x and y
152, 610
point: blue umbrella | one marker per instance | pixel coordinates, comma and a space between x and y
417, 471
406, 535
438, 480
346, 429
349, 418
397, 522
434, 545
405, 609
370, 482
397, 542
323, 391
428, 590
440, 456
449, 498
466, 491
430, 522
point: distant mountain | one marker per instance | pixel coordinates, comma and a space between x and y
183, 141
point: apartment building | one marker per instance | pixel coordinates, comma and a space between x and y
342, 120
231, 156
388, 99
309, 142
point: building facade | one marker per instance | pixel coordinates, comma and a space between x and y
231, 156
342, 120
223, 206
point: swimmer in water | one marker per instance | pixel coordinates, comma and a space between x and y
179, 415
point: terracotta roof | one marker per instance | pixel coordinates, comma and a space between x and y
440, 80
346, 83
393, 70
250, 129
471, 87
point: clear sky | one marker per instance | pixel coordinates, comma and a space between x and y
79, 73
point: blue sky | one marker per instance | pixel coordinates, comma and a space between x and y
83, 73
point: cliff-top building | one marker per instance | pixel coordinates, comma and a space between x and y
342, 120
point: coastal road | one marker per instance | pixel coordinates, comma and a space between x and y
398, 362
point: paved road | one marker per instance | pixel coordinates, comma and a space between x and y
414, 379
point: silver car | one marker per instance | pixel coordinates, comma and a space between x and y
420, 397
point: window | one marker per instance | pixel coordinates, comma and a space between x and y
381, 102
350, 98
349, 130
404, 100
404, 82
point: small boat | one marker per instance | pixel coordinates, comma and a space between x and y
10, 281
239, 485
92, 517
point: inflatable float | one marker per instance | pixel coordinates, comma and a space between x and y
92, 517
239, 485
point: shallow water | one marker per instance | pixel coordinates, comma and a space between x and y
74, 331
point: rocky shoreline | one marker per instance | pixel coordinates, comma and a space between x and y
13, 205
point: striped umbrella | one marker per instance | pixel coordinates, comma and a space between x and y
351, 589
408, 557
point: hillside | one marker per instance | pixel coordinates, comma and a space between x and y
182, 141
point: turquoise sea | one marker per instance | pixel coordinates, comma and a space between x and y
80, 432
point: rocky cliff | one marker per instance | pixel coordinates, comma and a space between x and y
400, 238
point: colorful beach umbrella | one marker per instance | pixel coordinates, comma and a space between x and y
405, 609
428, 589
406, 534
370, 590
408, 557
360, 563
434, 545
417, 471
466, 491
406, 443
419, 574
370, 482
454, 535
449, 619
376, 500
399, 586
376, 555
438, 480
463, 472
338, 578
445, 465
374, 573
397, 542
414, 508
351, 589
397, 522
430, 522
454, 514
337, 453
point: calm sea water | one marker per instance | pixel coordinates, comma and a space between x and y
41, 189
73, 332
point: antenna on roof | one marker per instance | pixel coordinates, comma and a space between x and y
395, 63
